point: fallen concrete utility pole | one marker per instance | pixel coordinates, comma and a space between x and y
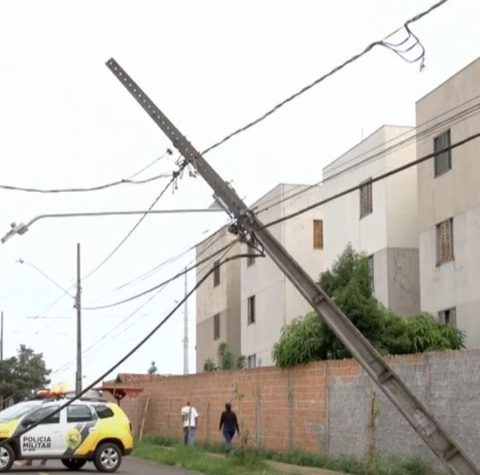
422, 421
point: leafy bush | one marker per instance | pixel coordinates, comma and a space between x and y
308, 338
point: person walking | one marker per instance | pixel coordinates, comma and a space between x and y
189, 419
228, 425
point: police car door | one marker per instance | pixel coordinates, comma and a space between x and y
44, 440
81, 422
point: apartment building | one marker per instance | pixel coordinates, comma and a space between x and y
218, 299
449, 203
268, 300
379, 219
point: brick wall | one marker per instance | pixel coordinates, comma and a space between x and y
328, 407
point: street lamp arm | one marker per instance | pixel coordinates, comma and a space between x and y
22, 228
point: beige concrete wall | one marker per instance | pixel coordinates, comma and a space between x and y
390, 227
454, 194
222, 299
277, 301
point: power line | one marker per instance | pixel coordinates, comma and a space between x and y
170, 260
383, 42
149, 165
132, 230
414, 137
129, 353
131, 314
123, 181
165, 282
292, 215
372, 180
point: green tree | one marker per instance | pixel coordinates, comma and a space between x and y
226, 359
209, 365
23, 375
153, 368
348, 283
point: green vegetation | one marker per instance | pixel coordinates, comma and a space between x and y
197, 458
225, 360
204, 458
22, 375
348, 283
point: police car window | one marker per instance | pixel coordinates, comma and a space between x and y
103, 411
44, 412
78, 413
18, 410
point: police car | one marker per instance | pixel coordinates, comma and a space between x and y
84, 431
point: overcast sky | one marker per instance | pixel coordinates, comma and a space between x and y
211, 66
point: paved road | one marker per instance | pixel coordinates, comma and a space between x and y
129, 466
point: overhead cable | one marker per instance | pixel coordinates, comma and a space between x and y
126, 356
416, 43
383, 176
412, 136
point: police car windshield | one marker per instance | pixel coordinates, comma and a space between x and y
18, 410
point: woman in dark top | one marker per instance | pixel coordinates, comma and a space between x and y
228, 425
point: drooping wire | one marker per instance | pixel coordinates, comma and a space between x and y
412, 136
131, 314
123, 181
165, 282
131, 231
383, 176
383, 42
127, 355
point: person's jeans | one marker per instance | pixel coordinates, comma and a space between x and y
228, 436
189, 435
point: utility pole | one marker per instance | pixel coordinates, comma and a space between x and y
1, 337
78, 306
185, 328
248, 227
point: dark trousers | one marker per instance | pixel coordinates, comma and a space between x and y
228, 436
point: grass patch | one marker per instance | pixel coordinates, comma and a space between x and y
252, 461
197, 458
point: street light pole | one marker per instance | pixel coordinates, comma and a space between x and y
1, 336
22, 228
78, 375
185, 329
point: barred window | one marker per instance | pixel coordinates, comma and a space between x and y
251, 257
317, 234
251, 310
448, 316
366, 204
442, 160
216, 326
216, 273
444, 240
252, 361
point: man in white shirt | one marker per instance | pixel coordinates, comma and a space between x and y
189, 419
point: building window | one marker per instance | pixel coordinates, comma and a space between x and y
251, 257
371, 270
216, 326
251, 310
366, 205
216, 273
448, 316
252, 361
442, 160
444, 238
317, 234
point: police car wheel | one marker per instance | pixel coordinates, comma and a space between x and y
74, 464
6, 457
108, 457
